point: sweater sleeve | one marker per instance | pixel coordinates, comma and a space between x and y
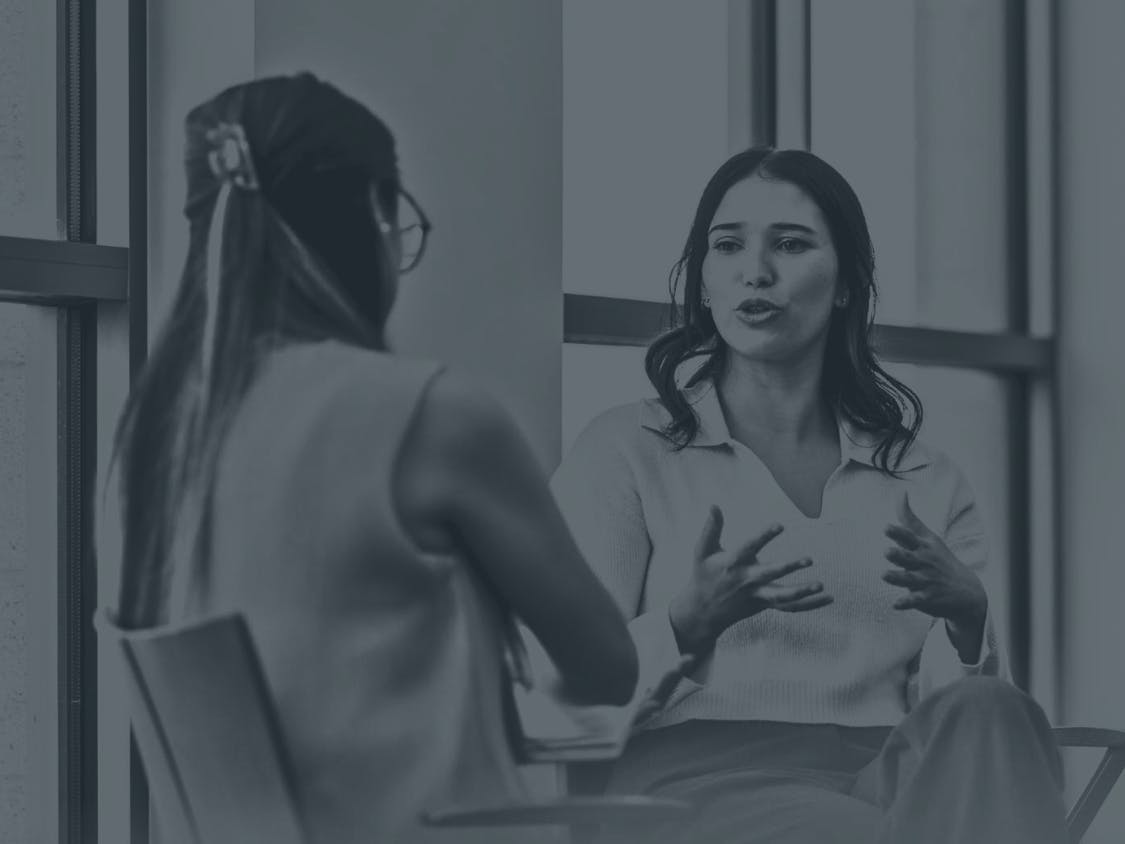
939, 662
597, 491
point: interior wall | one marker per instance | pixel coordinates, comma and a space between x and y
473, 94
195, 50
1092, 218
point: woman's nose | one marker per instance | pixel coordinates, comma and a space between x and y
758, 269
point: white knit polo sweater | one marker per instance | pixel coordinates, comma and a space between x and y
637, 507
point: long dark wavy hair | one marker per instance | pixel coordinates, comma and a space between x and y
302, 259
854, 385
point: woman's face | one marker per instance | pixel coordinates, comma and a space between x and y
771, 272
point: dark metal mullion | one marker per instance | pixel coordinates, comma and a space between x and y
808, 75
609, 321
1019, 321
1005, 354
77, 436
61, 272
138, 185
87, 317
763, 73
139, 831
1019, 528
77, 445
78, 128
1058, 467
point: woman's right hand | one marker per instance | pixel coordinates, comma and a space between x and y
729, 586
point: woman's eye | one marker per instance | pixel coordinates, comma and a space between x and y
726, 246
792, 245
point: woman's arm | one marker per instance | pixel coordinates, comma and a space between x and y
467, 474
941, 661
598, 493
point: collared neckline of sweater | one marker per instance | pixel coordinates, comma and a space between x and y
855, 445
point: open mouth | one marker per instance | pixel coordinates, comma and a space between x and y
756, 311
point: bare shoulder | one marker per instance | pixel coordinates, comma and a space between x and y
460, 437
460, 417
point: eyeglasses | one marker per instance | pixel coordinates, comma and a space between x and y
413, 229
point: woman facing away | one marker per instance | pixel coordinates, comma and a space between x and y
833, 593
374, 518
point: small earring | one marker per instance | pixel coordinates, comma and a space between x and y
706, 301
842, 302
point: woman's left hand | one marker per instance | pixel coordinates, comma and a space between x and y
939, 584
655, 698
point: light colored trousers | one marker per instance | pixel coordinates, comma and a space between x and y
973, 763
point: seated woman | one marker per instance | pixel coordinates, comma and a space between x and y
375, 519
833, 592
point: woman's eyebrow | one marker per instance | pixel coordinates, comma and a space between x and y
725, 227
798, 227
792, 227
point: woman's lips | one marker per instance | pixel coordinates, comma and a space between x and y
758, 317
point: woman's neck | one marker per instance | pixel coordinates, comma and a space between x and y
781, 402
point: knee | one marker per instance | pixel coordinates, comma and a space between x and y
988, 699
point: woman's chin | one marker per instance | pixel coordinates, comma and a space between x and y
768, 344
760, 349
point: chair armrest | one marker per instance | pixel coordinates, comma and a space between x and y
1088, 737
1105, 777
565, 811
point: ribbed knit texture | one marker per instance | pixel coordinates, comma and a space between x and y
637, 508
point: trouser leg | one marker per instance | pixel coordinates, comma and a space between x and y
766, 811
974, 763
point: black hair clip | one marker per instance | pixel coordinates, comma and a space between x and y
230, 157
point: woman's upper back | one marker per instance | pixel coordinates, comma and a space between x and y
304, 487
384, 658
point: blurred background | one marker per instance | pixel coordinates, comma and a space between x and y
560, 147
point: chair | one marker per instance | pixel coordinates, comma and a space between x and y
1086, 807
592, 778
207, 733
215, 756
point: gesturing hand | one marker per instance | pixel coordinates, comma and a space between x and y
728, 586
938, 583
656, 697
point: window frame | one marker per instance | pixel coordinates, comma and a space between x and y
776, 112
90, 285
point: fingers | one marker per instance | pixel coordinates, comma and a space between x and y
647, 708
761, 575
655, 699
906, 559
908, 539
663, 690
814, 602
912, 601
748, 551
777, 596
708, 542
906, 579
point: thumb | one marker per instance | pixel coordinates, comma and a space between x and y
909, 517
708, 542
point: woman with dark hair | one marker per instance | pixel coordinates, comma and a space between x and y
375, 519
869, 703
